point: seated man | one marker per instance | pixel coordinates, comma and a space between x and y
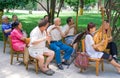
6, 26
56, 43
69, 31
38, 47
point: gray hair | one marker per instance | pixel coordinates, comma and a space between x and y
56, 19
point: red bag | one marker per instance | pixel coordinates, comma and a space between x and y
82, 60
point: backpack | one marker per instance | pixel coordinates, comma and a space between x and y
82, 60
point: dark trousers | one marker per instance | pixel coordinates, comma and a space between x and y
113, 48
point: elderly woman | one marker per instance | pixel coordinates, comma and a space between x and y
18, 40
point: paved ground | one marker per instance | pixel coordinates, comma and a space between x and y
17, 70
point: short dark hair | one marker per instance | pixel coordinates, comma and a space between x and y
42, 23
14, 15
68, 19
90, 25
45, 16
15, 24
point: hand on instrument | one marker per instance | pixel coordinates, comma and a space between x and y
102, 42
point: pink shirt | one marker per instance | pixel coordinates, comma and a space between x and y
17, 43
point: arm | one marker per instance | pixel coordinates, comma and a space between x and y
62, 34
97, 45
67, 31
38, 41
8, 30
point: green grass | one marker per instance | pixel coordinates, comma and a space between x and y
29, 21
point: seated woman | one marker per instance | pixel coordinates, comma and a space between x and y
90, 47
18, 40
111, 45
38, 49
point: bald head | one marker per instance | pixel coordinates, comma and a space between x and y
57, 21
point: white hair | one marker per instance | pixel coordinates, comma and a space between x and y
4, 17
56, 19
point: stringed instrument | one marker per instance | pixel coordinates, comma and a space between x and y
102, 34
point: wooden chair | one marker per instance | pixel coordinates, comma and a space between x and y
96, 60
35, 61
5, 41
14, 53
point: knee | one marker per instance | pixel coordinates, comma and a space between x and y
57, 49
110, 58
70, 49
52, 53
40, 57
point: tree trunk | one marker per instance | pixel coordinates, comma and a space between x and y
52, 10
77, 17
81, 7
1, 14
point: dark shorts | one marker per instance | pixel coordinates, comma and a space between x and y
106, 56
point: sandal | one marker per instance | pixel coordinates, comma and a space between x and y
48, 72
52, 71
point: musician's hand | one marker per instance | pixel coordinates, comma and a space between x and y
58, 27
48, 38
72, 26
102, 42
110, 39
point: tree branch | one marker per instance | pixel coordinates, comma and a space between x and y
42, 5
61, 3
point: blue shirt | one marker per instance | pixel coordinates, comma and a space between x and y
6, 26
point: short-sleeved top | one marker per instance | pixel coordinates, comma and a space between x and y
89, 48
55, 33
71, 31
35, 35
6, 27
17, 43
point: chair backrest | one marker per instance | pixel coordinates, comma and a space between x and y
83, 45
4, 37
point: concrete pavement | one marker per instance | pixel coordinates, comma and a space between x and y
17, 70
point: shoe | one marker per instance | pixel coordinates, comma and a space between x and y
52, 71
60, 66
65, 63
48, 72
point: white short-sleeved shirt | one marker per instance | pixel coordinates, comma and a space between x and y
55, 34
39, 48
71, 31
89, 48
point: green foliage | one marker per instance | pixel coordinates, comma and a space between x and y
9, 4
73, 3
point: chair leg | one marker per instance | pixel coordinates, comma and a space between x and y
102, 65
81, 70
11, 58
36, 67
4, 46
17, 56
97, 68
27, 66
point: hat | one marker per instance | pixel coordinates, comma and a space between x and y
4, 17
